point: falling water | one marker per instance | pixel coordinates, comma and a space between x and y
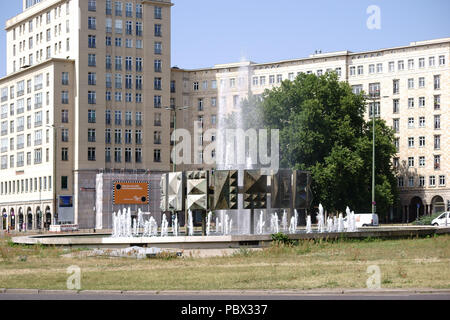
164, 227
284, 221
308, 224
340, 223
190, 225
208, 223
175, 226
329, 224
320, 220
274, 226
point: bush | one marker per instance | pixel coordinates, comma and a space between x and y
426, 220
281, 238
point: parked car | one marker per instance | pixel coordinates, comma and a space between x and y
442, 221
364, 220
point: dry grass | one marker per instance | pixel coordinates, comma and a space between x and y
413, 263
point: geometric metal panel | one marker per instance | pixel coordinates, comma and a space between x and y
302, 190
225, 190
255, 189
197, 190
175, 191
282, 189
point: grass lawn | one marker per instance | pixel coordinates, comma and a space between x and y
408, 263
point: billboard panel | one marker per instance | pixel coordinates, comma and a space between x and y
131, 193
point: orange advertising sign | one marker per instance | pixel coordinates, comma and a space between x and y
131, 193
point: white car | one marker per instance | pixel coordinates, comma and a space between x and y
364, 220
442, 221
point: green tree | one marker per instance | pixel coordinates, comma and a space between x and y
323, 130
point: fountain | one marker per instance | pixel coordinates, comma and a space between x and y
284, 222
308, 224
190, 224
340, 226
294, 222
261, 223
329, 224
274, 226
208, 223
175, 226
164, 227
320, 220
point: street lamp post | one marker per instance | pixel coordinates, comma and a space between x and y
175, 109
374, 97
174, 166
55, 195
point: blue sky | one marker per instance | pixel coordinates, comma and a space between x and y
208, 32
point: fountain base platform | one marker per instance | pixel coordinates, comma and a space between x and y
104, 240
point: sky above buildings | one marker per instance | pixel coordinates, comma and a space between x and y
208, 32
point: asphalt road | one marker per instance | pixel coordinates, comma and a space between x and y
180, 297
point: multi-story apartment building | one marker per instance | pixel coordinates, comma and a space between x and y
85, 88
411, 84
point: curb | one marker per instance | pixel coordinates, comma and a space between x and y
231, 292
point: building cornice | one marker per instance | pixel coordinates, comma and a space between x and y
34, 67
33, 11
167, 3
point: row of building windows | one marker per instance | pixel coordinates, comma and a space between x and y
422, 162
19, 141
128, 137
20, 105
421, 181
126, 156
38, 38
19, 88
19, 159
118, 9
139, 63
38, 20
39, 55
18, 125
378, 68
437, 123
422, 142
37, 184
421, 103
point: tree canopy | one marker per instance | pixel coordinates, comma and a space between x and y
323, 130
